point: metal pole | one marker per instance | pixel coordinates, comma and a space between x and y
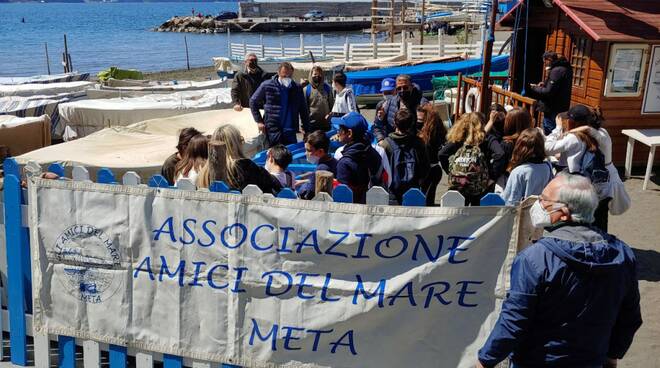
229, 41
47, 59
392, 21
423, 20
488, 52
185, 41
65, 58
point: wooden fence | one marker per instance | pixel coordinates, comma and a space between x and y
363, 51
94, 354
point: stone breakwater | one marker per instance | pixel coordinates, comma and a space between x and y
192, 24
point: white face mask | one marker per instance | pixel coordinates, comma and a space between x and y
540, 217
286, 82
313, 159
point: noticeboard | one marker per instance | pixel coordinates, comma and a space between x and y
651, 103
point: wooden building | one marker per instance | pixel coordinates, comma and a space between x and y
614, 49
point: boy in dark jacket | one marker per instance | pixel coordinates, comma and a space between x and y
361, 166
574, 297
317, 146
554, 93
407, 155
284, 107
246, 82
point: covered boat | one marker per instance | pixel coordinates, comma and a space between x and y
144, 146
34, 89
368, 82
136, 88
21, 135
89, 116
55, 78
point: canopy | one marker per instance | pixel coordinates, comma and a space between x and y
89, 116
31, 89
368, 82
23, 135
144, 146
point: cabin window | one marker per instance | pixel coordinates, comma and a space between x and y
626, 69
580, 53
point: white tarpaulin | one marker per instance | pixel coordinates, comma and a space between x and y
23, 135
264, 282
130, 88
54, 78
143, 147
89, 116
44, 88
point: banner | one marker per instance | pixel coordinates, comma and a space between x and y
264, 282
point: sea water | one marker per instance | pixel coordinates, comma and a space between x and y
101, 35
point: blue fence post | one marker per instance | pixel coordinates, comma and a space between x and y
158, 181
342, 194
172, 361
492, 199
414, 197
105, 176
117, 356
287, 193
17, 251
219, 187
56, 168
67, 350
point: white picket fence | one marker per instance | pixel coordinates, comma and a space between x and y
364, 51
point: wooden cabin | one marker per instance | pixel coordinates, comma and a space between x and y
614, 49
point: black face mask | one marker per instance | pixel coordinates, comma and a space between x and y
252, 66
317, 80
406, 96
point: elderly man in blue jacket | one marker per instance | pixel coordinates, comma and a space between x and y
574, 298
284, 107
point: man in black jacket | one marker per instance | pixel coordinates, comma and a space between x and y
554, 94
246, 82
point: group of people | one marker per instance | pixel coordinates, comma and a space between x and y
574, 299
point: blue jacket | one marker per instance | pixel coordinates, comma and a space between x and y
307, 190
382, 128
282, 114
573, 302
360, 167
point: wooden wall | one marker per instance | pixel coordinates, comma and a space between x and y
619, 112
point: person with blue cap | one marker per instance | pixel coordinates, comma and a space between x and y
408, 96
387, 87
360, 166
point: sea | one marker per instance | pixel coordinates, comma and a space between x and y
101, 35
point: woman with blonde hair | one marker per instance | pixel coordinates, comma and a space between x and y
468, 158
239, 171
194, 158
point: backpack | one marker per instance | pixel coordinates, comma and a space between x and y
326, 88
404, 166
468, 171
593, 167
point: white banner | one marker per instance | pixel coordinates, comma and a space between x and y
264, 282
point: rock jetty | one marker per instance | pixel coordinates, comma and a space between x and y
190, 24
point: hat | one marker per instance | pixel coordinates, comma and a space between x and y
353, 121
387, 85
580, 114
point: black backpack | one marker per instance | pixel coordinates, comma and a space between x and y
593, 167
405, 167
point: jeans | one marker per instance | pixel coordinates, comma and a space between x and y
549, 123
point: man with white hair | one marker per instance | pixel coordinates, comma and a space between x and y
246, 82
573, 299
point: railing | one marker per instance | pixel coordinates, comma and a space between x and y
363, 51
498, 95
18, 271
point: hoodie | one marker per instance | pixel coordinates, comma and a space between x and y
555, 95
573, 302
360, 167
319, 101
406, 143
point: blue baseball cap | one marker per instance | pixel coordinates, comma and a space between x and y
352, 120
388, 84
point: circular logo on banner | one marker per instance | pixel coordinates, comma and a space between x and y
90, 263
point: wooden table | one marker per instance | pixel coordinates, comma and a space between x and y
651, 138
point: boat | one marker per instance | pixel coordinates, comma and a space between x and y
135, 88
45, 89
144, 146
88, 116
64, 77
368, 81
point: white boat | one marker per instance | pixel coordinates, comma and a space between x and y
136, 88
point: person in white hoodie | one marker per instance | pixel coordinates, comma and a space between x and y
344, 98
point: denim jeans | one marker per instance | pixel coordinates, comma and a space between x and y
549, 123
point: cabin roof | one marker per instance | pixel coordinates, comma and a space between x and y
615, 20
607, 20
